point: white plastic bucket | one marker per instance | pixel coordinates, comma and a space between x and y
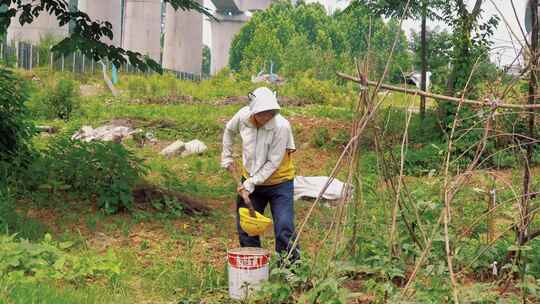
248, 269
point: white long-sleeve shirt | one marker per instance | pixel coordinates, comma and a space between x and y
263, 148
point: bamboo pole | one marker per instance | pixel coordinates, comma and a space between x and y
439, 96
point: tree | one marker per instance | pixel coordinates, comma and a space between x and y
303, 38
423, 8
470, 42
86, 34
357, 21
470, 50
286, 35
439, 54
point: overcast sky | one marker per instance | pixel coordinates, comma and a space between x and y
505, 46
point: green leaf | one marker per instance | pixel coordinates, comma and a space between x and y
13, 261
65, 245
59, 264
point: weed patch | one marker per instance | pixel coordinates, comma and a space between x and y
57, 100
103, 170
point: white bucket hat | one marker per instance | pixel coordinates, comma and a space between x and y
263, 99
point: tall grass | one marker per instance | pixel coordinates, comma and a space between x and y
45, 293
220, 86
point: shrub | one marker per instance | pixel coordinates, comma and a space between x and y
104, 170
57, 99
22, 261
308, 88
512, 129
311, 89
46, 42
64, 98
505, 159
424, 159
15, 129
341, 139
321, 137
224, 84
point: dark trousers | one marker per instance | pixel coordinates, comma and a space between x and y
281, 202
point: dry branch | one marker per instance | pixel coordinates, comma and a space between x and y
393, 250
439, 96
145, 194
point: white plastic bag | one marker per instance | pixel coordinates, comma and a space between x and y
311, 186
194, 147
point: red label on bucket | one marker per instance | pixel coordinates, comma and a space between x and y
248, 262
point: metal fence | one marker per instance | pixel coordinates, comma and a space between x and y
28, 56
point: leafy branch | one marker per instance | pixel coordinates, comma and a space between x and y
87, 34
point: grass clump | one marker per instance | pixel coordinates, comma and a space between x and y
57, 99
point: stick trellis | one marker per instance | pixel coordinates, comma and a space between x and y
366, 110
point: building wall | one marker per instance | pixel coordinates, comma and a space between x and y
252, 5
183, 41
43, 26
223, 33
105, 10
142, 27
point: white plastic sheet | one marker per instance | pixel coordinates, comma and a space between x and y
104, 133
311, 187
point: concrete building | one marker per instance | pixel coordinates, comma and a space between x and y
231, 16
223, 33
105, 10
182, 50
43, 26
137, 26
142, 27
252, 5
236, 7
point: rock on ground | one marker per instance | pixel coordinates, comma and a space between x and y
194, 147
173, 149
184, 149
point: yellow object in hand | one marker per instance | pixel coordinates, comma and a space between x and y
253, 226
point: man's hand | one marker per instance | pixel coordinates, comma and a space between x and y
243, 193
